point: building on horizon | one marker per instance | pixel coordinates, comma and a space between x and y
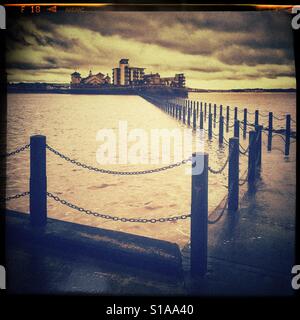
125, 75
91, 81
154, 79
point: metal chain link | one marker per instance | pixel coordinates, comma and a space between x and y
114, 218
85, 166
15, 151
264, 115
245, 152
221, 169
277, 118
243, 181
221, 213
226, 141
16, 196
278, 135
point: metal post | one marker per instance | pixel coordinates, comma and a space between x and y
201, 119
189, 116
183, 115
215, 114
199, 216
197, 109
235, 113
194, 118
270, 130
237, 129
221, 110
227, 119
287, 135
252, 157
245, 123
221, 129
205, 111
38, 181
256, 118
233, 174
258, 148
210, 126
180, 108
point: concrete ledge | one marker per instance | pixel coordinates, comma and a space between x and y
119, 247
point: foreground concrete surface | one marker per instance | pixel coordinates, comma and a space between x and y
64, 257
251, 253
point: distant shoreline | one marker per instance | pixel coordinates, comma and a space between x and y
242, 90
65, 88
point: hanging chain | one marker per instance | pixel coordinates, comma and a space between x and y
16, 196
114, 218
221, 169
85, 166
19, 150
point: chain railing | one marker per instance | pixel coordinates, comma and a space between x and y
279, 119
106, 171
115, 218
19, 150
278, 135
264, 115
217, 171
244, 151
221, 212
16, 196
244, 178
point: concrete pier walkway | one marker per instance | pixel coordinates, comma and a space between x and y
64, 257
250, 253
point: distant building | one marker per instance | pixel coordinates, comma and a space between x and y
178, 81
154, 79
125, 75
92, 80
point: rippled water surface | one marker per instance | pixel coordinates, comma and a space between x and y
71, 123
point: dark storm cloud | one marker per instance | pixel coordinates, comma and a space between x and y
31, 66
18, 36
236, 55
206, 69
256, 30
229, 41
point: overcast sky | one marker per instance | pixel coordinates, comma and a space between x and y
216, 50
